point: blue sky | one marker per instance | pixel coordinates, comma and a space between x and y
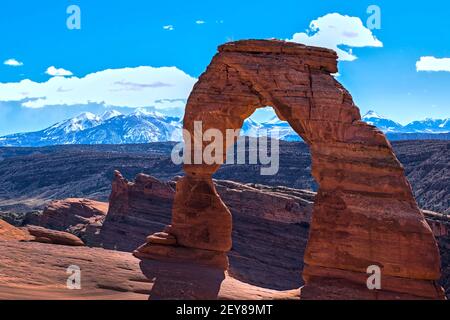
131, 34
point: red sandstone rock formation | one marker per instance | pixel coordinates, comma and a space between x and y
55, 237
127, 195
9, 232
270, 227
37, 234
365, 213
70, 214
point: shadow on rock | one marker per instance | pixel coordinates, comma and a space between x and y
182, 281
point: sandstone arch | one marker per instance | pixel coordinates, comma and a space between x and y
364, 214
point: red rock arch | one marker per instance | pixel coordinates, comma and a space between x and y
364, 214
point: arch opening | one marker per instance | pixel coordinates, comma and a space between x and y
270, 223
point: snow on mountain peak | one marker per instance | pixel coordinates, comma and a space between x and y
372, 114
274, 120
110, 114
81, 122
140, 112
144, 112
445, 123
87, 115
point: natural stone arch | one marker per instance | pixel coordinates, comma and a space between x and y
364, 214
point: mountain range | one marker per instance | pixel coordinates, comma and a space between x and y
112, 127
141, 126
422, 126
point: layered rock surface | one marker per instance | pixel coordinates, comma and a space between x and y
9, 232
37, 234
70, 215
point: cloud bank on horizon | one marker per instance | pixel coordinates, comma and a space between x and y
127, 87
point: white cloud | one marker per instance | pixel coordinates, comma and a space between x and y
58, 72
169, 27
430, 63
200, 22
340, 33
128, 87
13, 63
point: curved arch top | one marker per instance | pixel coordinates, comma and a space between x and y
364, 213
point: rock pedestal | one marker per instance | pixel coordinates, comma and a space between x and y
364, 215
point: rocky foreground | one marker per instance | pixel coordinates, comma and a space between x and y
138, 208
270, 233
39, 271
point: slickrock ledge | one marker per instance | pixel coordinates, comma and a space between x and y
114, 275
37, 234
9, 232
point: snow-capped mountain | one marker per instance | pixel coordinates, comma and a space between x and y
429, 126
142, 126
138, 127
420, 126
384, 124
65, 132
424, 129
274, 128
110, 114
110, 128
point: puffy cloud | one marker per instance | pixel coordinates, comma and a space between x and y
13, 63
58, 72
430, 63
200, 22
169, 27
163, 87
338, 32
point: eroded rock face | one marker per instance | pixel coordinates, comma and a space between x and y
11, 233
53, 236
364, 214
70, 214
